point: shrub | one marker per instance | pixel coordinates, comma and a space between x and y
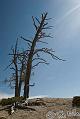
10, 101
36, 103
76, 101
3, 118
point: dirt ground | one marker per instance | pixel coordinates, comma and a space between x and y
55, 108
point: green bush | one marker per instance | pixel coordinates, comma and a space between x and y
10, 101
76, 101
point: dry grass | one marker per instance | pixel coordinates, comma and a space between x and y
53, 105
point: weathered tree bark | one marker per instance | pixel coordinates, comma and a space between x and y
15, 62
29, 62
21, 78
20, 84
27, 78
16, 82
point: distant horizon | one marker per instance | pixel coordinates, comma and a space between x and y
2, 96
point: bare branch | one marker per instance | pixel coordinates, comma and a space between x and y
38, 64
20, 53
42, 42
31, 85
48, 27
39, 59
25, 39
37, 55
29, 45
9, 82
43, 50
49, 18
13, 68
37, 20
16, 46
48, 51
45, 24
34, 23
42, 16
57, 58
8, 66
48, 36
44, 35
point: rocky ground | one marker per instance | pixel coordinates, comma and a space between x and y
52, 108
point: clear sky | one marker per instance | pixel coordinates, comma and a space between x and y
59, 79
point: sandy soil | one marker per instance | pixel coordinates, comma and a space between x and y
55, 108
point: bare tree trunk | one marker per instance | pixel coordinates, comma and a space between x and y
20, 84
27, 78
40, 33
21, 79
16, 83
26, 90
29, 62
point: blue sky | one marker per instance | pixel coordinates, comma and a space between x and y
59, 79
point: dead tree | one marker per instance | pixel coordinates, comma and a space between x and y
21, 80
13, 81
14, 66
23, 59
24, 62
18, 65
33, 52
